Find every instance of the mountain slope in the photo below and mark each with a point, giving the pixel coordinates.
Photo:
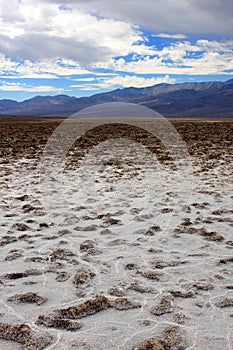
(204, 99)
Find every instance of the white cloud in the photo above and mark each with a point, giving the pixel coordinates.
(171, 36)
(219, 46)
(30, 76)
(85, 79)
(44, 31)
(41, 69)
(124, 81)
(85, 87)
(202, 58)
(51, 39)
(6, 86)
(134, 81)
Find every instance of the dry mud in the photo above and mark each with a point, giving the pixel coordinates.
(118, 254)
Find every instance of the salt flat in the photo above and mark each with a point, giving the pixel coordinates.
(121, 242)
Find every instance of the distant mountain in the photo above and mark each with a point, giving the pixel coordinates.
(204, 99)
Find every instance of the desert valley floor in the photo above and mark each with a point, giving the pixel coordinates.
(116, 253)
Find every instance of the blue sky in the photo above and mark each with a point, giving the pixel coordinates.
(83, 47)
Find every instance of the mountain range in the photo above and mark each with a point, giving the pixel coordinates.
(191, 99)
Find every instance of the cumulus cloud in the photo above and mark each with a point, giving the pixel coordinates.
(185, 16)
(40, 29)
(10, 11)
(202, 58)
(44, 31)
(52, 39)
(40, 46)
(42, 69)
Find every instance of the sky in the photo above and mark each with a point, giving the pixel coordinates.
(84, 47)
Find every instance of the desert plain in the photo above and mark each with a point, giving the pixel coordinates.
(122, 250)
